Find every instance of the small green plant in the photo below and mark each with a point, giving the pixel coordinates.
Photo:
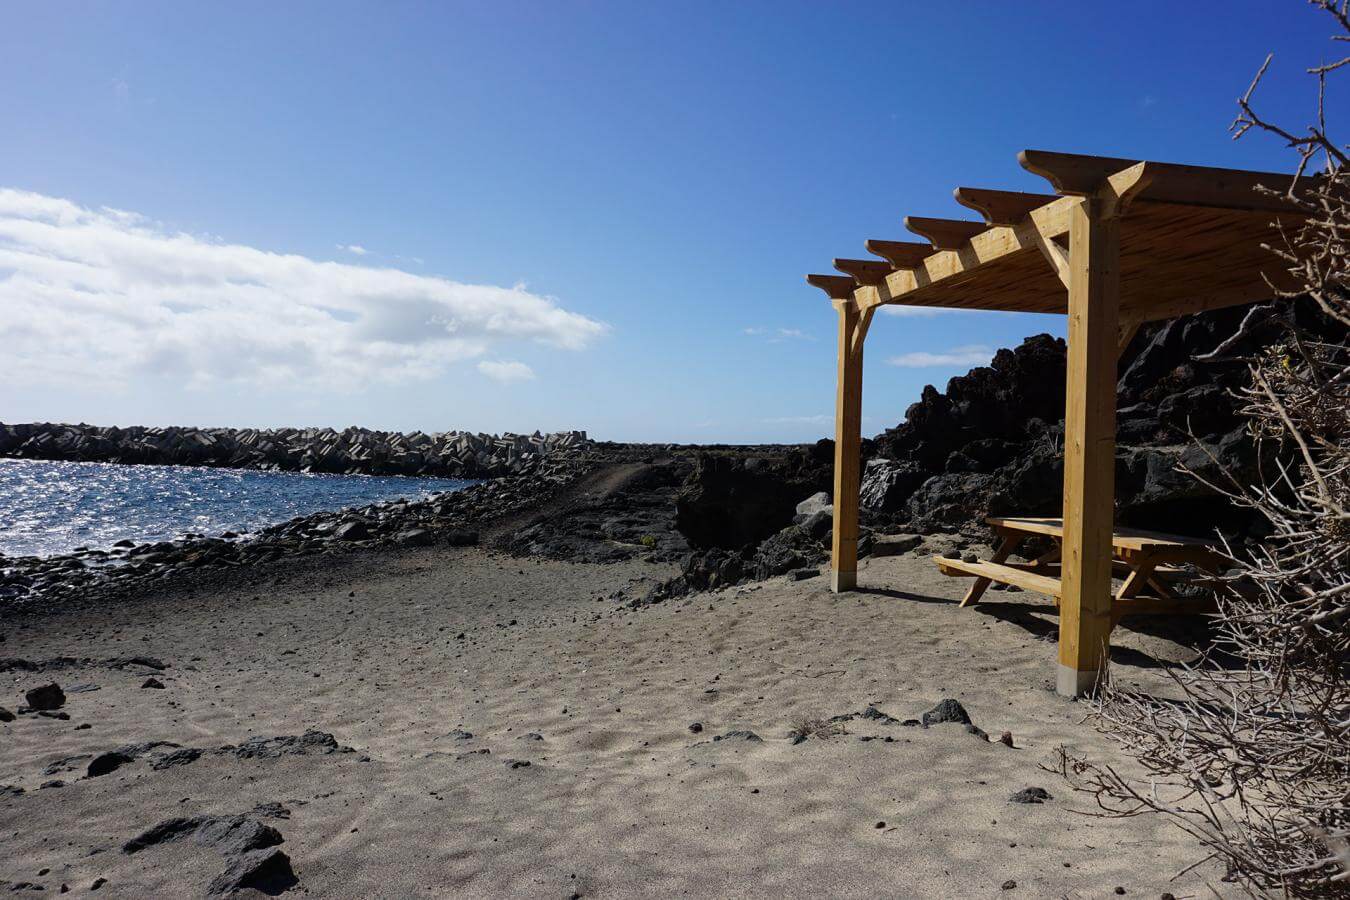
(648, 541)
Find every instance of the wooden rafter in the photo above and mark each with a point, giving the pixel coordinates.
(864, 271)
(989, 246)
(1078, 175)
(837, 287)
(900, 254)
(945, 234)
(1001, 207)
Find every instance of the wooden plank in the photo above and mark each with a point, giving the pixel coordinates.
(1080, 175)
(1031, 581)
(838, 287)
(847, 450)
(1089, 448)
(945, 234)
(864, 271)
(1001, 207)
(900, 254)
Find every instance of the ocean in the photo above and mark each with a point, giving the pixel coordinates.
(49, 508)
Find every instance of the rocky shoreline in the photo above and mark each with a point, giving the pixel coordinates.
(29, 583)
(989, 445)
(352, 451)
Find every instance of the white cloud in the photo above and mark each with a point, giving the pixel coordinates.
(968, 355)
(93, 297)
(778, 335)
(506, 371)
(357, 249)
(894, 309)
(821, 419)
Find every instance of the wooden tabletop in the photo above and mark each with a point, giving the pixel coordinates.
(1121, 538)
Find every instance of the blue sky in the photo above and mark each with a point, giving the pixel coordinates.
(609, 207)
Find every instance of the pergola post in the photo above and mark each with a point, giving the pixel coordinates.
(847, 447)
(1089, 444)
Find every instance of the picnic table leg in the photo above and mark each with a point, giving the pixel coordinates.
(1141, 572)
(1052, 555)
(1006, 545)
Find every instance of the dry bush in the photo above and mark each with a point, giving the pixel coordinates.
(814, 727)
(1252, 755)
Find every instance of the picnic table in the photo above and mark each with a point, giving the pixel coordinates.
(1148, 564)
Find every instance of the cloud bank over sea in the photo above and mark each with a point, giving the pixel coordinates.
(101, 296)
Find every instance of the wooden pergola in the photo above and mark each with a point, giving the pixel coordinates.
(1120, 242)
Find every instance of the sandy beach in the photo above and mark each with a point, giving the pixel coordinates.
(515, 732)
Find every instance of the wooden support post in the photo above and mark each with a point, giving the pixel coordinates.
(1089, 445)
(847, 448)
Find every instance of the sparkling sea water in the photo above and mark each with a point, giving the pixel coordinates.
(48, 508)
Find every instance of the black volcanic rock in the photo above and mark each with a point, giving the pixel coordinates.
(992, 443)
(733, 503)
(45, 697)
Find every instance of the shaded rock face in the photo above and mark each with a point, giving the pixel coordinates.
(992, 444)
(731, 503)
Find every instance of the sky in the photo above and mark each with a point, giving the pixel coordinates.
(518, 216)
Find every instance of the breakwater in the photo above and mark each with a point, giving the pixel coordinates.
(351, 451)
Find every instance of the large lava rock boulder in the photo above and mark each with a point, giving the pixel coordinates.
(795, 547)
(888, 483)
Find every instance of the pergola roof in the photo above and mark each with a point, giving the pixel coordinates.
(1192, 240)
(1119, 243)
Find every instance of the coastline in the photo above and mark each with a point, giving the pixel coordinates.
(351, 451)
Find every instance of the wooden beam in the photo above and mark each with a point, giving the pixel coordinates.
(901, 254)
(1001, 207)
(945, 234)
(864, 271)
(1051, 221)
(1078, 175)
(1089, 447)
(838, 287)
(847, 450)
(1152, 311)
